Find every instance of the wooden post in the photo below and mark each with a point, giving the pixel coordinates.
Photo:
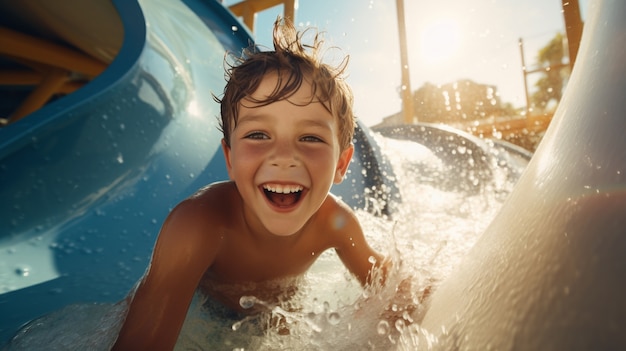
(289, 10)
(247, 9)
(408, 111)
(573, 28)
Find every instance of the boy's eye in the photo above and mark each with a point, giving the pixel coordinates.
(311, 138)
(256, 136)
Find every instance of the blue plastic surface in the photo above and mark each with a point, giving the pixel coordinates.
(87, 180)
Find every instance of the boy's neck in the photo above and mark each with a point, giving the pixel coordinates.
(262, 235)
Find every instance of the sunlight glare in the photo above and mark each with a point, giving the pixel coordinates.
(439, 40)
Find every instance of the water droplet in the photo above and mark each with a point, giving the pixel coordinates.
(23, 271)
(247, 301)
(334, 318)
(400, 325)
(382, 328)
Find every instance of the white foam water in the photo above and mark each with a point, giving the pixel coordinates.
(428, 233)
(91, 327)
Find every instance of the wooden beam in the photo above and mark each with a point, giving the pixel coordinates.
(573, 27)
(248, 9)
(40, 96)
(20, 45)
(408, 112)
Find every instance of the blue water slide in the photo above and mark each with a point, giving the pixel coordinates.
(87, 180)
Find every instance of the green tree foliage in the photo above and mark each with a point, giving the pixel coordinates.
(554, 76)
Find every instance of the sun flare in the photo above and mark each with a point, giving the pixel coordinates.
(439, 41)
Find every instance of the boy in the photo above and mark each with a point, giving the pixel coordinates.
(287, 123)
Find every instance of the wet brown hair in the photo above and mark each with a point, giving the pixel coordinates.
(293, 62)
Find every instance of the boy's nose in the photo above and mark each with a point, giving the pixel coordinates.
(284, 155)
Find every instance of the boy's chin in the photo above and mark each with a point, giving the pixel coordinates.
(280, 228)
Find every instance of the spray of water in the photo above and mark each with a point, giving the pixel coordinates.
(429, 231)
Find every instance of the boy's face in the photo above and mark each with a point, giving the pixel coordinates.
(284, 157)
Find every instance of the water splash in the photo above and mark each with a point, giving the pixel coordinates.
(425, 238)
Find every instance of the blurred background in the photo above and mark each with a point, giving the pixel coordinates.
(466, 59)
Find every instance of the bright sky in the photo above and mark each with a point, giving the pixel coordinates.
(447, 40)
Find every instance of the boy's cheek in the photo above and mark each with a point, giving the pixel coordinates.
(248, 152)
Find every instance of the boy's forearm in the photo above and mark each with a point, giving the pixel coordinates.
(146, 326)
(146, 335)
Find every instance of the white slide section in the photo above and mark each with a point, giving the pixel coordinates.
(550, 271)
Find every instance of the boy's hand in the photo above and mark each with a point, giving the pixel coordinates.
(407, 304)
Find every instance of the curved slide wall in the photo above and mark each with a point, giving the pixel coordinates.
(550, 271)
(87, 181)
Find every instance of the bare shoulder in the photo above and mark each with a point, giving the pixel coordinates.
(198, 219)
(337, 206)
(337, 216)
(211, 202)
(335, 201)
(215, 191)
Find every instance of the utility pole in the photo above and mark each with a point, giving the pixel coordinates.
(525, 72)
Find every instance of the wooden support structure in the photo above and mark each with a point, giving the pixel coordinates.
(573, 28)
(51, 67)
(248, 9)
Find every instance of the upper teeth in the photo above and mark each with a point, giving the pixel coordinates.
(282, 189)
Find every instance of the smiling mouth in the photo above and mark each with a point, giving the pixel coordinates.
(283, 196)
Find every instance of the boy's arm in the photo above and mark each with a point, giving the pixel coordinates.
(183, 252)
(354, 251)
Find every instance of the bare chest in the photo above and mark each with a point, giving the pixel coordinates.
(265, 271)
(254, 297)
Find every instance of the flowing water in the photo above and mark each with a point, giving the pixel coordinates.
(427, 234)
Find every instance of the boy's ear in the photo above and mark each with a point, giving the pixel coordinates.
(226, 150)
(342, 164)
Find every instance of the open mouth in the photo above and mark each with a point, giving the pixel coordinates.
(281, 195)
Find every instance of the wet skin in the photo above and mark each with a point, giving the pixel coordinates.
(268, 224)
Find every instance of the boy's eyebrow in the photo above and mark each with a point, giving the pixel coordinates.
(259, 117)
(317, 123)
(250, 117)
